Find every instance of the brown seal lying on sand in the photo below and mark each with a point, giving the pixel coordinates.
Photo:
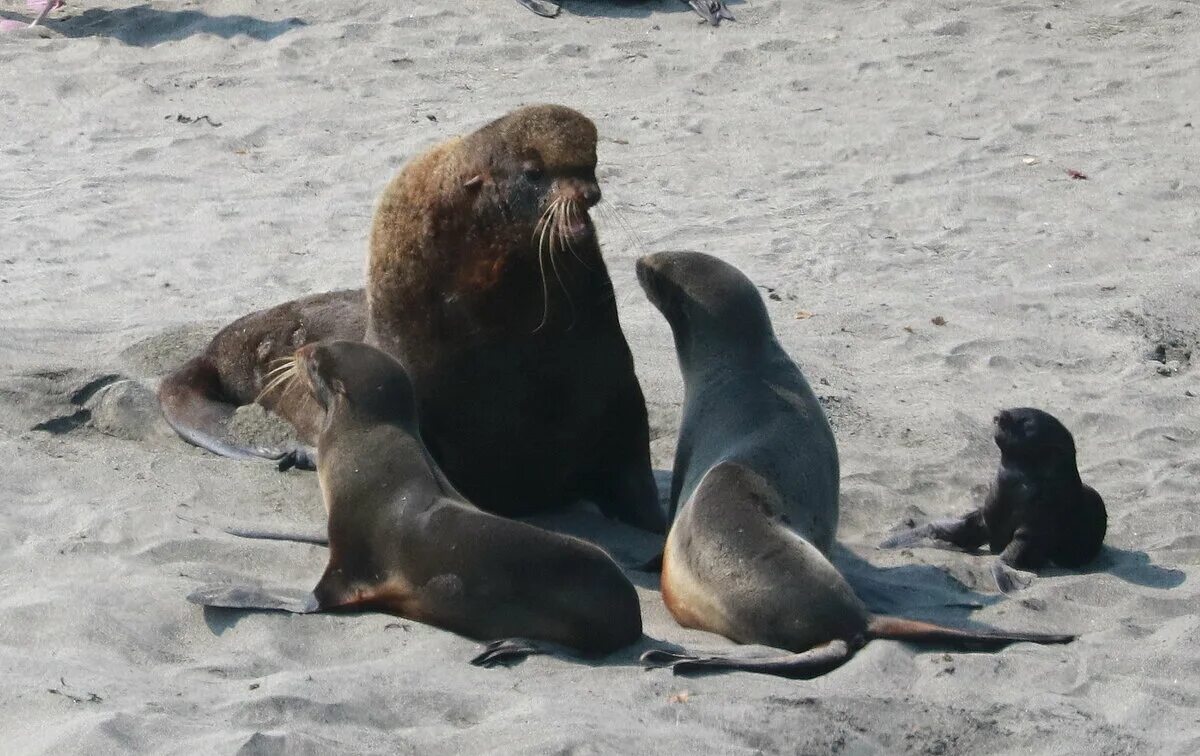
(1038, 509)
(486, 281)
(402, 540)
(754, 498)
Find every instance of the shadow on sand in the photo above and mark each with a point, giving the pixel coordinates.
(1130, 566)
(144, 26)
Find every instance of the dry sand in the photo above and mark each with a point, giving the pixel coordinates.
(165, 167)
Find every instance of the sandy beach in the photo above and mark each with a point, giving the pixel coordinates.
(951, 208)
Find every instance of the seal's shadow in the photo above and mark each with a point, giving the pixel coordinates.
(1132, 567)
(145, 26)
(918, 591)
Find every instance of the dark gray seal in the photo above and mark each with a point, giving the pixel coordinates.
(754, 499)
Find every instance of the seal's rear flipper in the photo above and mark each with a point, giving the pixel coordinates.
(915, 631)
(540, 7)
(803, 666)
(255, 597)
(196, 406)
(507, 651)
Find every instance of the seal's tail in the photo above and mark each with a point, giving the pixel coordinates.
(195, 405)
(915, 631)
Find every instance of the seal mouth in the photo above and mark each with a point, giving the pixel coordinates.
(577, 226)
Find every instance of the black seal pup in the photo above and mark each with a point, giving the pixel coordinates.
(1037, 511)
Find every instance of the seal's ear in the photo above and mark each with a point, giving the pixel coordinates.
(474, 182)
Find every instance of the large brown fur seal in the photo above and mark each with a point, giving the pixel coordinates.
(485, 280)
(1038, 510)
(402, 540)
(755, 491)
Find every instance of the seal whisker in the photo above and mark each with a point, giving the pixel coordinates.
(278, 380)
(610, 213)
(541, 248)
(572, 210)
(558, 227)
(277, 371)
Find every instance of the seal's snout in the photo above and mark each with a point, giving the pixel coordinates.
(647, 273)
(590, 194)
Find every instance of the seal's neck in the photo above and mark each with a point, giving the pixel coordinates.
(707, 352)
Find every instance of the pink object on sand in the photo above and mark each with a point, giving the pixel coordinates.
(7, 24)
(43, 8)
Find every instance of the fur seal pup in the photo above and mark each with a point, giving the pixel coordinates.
(485, 279)
(754, 496)
(402, 540)
(1038, 510)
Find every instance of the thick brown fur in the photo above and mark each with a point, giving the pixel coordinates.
(755, 491)
(485, 279)
(404, 541)
(505, 318)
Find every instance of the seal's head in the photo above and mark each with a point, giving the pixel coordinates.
(539, 164)
(352, 375)
(1031, 435)
(705, 299)
(486, 222)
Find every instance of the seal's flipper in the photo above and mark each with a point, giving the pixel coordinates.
(967, 533)
(255, 597)
(299, 457)
(712, 11)
(540, 7)
(1010, 580)
(195, 406)
(802, 666)
(507, 651)
(915, 631)
(317, 539)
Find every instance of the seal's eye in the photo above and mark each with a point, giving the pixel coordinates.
(532, 171)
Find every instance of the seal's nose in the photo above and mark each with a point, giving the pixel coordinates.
(590, 194)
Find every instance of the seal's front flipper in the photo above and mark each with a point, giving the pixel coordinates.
(540, 7)
(507, 651)
(967, 533)
(802, 666)
(1010, 580)
(255, 597)
(299, 457)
